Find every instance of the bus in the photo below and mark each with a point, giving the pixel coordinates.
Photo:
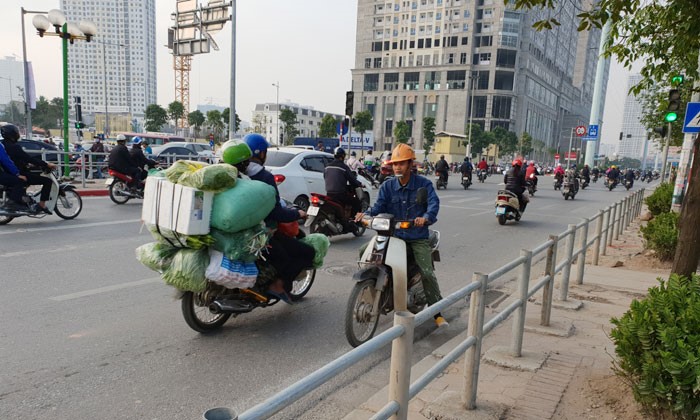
(155, 139)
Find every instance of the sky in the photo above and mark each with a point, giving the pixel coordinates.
(308, 46)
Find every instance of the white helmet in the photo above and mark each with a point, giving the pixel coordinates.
(121, 137)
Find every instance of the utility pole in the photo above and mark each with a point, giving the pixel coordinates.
(598, 98)
(571, 139)
(232, 105)
(471, 113)
(665, 156)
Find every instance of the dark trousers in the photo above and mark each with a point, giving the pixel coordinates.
(15, 187)
(45, 183)
(347, 200)
(289, 256)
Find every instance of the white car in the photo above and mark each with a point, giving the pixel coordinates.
(299, 172)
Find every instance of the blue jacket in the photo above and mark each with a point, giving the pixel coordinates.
(401, 202)
(278, 214)
(7, 164)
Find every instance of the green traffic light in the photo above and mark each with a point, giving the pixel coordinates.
(677, 80)
(671, 117)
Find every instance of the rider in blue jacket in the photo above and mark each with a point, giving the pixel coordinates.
(11, 178)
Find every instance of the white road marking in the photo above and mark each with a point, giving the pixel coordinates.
(38, 251)
(464, 200)
(106, 289)
(83, 225)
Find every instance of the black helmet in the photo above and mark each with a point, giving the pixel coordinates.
(9, 132)
(339, 152)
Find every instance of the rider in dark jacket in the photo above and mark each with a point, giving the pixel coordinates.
(466, 169)
(139, 159)
(338, 177)
(515, 182)
(120, 161)
(442, 168)
(11, 178)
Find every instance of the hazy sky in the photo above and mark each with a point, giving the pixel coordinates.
(306, 45)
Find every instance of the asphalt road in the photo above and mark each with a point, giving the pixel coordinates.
(87, 332)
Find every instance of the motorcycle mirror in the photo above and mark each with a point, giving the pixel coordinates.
(421, 196)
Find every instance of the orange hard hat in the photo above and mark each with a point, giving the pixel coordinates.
(402, 152)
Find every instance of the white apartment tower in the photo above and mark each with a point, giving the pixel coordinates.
(433, 58)
(634, 134)
(116, 72)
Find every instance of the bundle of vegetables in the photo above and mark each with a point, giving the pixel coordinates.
(245, 245)
(320, 243)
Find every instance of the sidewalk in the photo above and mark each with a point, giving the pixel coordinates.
(565, 371)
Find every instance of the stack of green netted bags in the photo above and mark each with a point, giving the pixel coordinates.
(237, 236)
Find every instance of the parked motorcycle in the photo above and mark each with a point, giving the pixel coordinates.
(507, 207)
(332, 218)
(388, 279)
(63, 200)
(466, 181)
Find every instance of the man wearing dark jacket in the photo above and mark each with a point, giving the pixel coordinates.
(120, 161)
(11, 178)
(338, 177)
(515, 182)
(23, 161)
(442, 168)
(139, 159)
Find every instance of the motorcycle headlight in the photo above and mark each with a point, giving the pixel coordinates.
(381, 224)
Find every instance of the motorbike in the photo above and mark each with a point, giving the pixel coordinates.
(332, 218)
(610, 184)
(64, 200)
(569, 188)
(558, 181)
(595, 178)
(584, 183)
(466, 181)
(628, 184)
(482, 174)
(440, 181)
(368, 176)
(531, 187)
(507, 207)
(388, 278)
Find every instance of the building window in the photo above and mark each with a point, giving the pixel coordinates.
(391, 81)
(432, 80)
(456, 79)
(483, 41)
(410, 80)
(450, 58)
(479, 107)
(465, 40)
(504, 80)
(463, 58)
(370, 108)
(481, 79)
(388, 127)
(409, 111)
(503, 124)
(506, 58)
(389, 110)
(377, 62)
(482, 59)
(501, 107)
(430, 110)
(371, 82)
(508, 41)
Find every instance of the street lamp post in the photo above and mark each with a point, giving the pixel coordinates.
(471, 113)
(277, 85)
(68, 32)
(12, 108)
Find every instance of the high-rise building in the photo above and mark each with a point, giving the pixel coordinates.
(116, 72)
(434, 58)
(634, 134)
(265, 120)
(11, 81)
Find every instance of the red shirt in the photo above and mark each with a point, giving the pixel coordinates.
(530, 170)
(483, 165)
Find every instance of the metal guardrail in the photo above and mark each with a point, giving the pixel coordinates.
(609, 222)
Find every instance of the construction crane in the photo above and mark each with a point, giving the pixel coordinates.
(192, 34)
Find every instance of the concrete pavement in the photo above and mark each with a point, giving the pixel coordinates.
(532, 386)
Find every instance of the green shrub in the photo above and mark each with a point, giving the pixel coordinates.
(660, 200)
(661, 235)
(657, 342)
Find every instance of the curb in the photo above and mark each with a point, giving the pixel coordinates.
(93, 193)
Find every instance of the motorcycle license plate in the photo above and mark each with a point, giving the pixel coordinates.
(465, 178)
(500, 210)
(312, 211)
(109, 181)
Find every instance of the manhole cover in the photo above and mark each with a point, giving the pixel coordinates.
(341, 270)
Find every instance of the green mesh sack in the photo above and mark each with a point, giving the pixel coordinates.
(181, 167)
(243, 206)
(245, 245)
(214, 178)
(156, 255)
(187, 270)
(320, 243)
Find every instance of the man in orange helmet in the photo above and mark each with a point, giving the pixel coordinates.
(397, 196)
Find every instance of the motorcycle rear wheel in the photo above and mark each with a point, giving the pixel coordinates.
(302, 286)
(118, 186)
(501, 219)
(5, 220)
(360, 325)
(198, 316)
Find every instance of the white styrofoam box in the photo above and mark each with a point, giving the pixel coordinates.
(184, 210)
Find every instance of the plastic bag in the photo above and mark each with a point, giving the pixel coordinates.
(231, 274)
(187, 270)
(178, 240)
(245, 245)
(155, 255)
(320, 244)
(215, 178)
(156, 173)
(179, 168)
(242, 207)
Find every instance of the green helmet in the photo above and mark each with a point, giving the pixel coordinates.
(234, 152)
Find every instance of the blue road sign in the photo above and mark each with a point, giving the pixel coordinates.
(337, 128)
(593, 132)
(692, 118)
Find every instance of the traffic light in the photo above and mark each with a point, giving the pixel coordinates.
(677, 79)
(349, 101)
(674, 104)
(346, 122)
(79, 125)
(661, 131)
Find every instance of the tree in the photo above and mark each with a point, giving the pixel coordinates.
(428, 134)
(156, 117)
(226, 116)
(176, 111)
(402, 132)
(48, 113)
(196, 119)
(525, 145)
(13, 113)
(215, 123)
(289, 120)
(480, 139)
(328, 126)
(363, 123)
(507, 141)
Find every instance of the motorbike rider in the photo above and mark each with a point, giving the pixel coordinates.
(139, 158)
(442, 168)
(338, 177)
(353, 162)
(288, 255)
(12, 179)
(516, 183)
(559, 173)
(397, 196)
(466, 169)
(99, 148)
(483, 166)
(614, 174)
(586, 174)
(629, 177)
(596, 172)
(120, 160)
(531, 173)
(23, 161)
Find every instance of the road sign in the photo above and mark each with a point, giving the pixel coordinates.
(593, 131)
(692, 118)
(556, 157)
(337, 128)
(570, 156)
(580, 131)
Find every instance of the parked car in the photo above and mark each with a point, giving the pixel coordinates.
(299, 172)
(171, 152)
(202, 149)
(36, 148)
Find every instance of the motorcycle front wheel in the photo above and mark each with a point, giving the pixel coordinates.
(198, 316)
(360, 325)
(5, 220)
(69, 205)
(302, 285)
(116, 192)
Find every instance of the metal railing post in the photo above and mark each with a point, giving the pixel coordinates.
(641, 201)
(623, 225)
(611, 224)
(628, 213)
(83, 164)
(566, 273)
(401, 360)
(581, 259)
(547, 290)
(598, 235)
(606, 230)
(476, 330)
(516, 348)
(618, 219)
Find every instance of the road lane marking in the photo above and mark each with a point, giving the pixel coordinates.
(106, 289)
(38, 251)
(84, 225)
(464, 200)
